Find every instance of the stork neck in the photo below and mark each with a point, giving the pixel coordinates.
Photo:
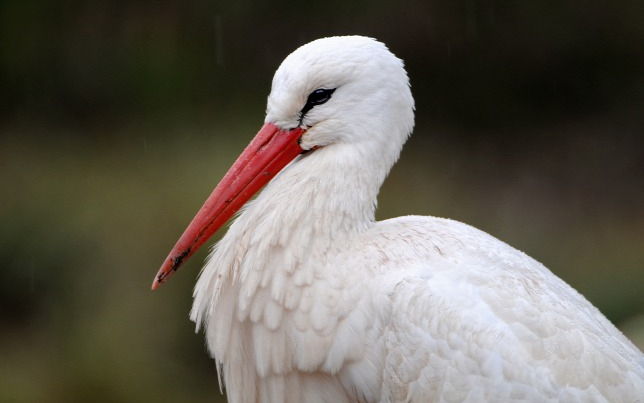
(332, 192)
(312, 207)
(308, 211)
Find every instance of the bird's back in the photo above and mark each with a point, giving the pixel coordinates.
(473, 319)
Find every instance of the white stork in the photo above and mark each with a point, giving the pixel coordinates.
(308, 299)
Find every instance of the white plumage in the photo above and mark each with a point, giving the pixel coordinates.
(308, 299)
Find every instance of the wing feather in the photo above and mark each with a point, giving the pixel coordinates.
(473, 318)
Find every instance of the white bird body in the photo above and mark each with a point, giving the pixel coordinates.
(308, 299)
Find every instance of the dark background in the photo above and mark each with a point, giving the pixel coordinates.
(118, 118)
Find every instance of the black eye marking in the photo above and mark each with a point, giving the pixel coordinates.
(317, 97)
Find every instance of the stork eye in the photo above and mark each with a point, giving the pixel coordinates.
(317, 97)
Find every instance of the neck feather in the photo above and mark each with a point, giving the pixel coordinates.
(309, 210)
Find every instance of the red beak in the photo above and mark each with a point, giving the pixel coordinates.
(270, 151)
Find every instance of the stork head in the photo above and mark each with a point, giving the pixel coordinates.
(347, 90)
(343, 89)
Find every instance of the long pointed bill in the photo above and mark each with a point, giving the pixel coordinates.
(270, 151)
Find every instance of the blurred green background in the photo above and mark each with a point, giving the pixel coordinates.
(118, 118)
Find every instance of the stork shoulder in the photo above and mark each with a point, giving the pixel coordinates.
(470, 313)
